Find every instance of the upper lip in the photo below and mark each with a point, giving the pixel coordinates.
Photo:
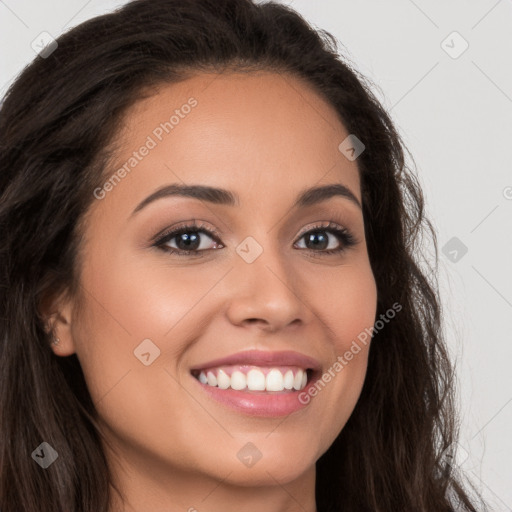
(263, 358)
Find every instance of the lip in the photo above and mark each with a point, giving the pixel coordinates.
(263, 358)
(261, 403)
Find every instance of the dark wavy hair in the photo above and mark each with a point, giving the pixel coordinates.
(57, 126)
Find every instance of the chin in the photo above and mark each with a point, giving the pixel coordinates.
(265, 462)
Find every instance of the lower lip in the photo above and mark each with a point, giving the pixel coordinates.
(258, 403)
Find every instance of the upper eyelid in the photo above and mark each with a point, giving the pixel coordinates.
(342, 217)
(198, 226)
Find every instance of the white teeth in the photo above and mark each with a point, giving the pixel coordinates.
(212, 380)
(274, 381)
(297, 381)
(223, 380)
(288, 380)
(255, 380)
(238, 380)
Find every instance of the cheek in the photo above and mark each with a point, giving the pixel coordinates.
(125, 305)
(345, 299)
(357, 306)
(129, 301)
(346, 307)
(356, 298)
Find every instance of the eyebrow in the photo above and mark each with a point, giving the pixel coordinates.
(221, 196)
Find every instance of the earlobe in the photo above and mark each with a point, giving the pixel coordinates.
(58, 322)
(60, 335)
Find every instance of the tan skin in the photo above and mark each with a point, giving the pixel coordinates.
(266, 137)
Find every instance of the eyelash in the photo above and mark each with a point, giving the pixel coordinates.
(343, 235)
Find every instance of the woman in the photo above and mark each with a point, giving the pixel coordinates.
(210, 293)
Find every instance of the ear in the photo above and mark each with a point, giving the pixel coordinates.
(57, 315)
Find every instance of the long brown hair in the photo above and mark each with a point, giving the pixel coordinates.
(56, 123)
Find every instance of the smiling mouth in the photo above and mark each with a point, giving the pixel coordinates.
(251, 378)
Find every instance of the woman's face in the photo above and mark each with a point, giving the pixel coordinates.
(257, 285)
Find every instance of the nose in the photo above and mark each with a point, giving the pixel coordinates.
(266, 293)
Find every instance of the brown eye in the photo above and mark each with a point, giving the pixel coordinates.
(329, 239)
(188, 240)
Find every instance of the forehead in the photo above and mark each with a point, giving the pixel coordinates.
(246, 132)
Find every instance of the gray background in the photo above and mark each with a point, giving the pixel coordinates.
(455, 115)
